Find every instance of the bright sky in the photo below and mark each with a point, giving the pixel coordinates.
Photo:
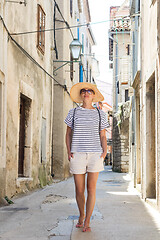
(100, 12)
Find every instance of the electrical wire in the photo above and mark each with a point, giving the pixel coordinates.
(46, 30)
(20, 2)
(60, 28)
(29, 56)
(104, 82)
(70, 27)
(104, 91)
(32, 59)
(54, 35)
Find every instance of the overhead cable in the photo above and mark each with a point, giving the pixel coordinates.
(29, 56)
(104, 82)
(60, 28)
(68, 27)
(75, 26)
(54, 22)
(104, 91)
(20, 2)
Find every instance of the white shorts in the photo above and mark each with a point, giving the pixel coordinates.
(86, 162)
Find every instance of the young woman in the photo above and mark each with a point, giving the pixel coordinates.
(86, 146)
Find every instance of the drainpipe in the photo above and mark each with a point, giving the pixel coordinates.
(134, 98)
(52, 122)
(116, 79)
(116, 72)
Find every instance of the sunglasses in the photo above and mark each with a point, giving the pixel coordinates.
(89, 91)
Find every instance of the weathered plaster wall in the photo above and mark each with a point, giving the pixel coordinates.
(148, 68)
(3, 100)
(26, 78)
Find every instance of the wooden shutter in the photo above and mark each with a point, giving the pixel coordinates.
(41, 27)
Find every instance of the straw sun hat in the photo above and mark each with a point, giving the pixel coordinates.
(75, 92)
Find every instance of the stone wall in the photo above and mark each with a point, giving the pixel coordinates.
(121, 139)
(25, 86)
(116, 146)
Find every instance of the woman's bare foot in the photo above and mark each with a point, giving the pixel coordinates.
(80, 221)
(86, 227)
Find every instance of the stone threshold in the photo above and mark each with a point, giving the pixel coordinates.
(23, 179)
(152, 202)
(138, 187)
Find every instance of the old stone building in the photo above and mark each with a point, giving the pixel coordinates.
(36, 74)
(135, 145)
(26, 95)
(3, 102)
(119, 56)
(149, 99)
(76, 13)
(146, 170)
(119, 53)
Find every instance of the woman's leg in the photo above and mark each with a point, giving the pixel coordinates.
(91, 197)
(80, 197)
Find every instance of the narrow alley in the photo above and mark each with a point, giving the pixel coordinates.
(51, 213)
(79, 78)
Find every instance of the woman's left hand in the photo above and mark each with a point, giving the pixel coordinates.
(103, 143)
(103, 155)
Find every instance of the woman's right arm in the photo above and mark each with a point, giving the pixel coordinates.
(68, 142)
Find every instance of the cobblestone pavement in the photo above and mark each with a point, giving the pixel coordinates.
(51, 213)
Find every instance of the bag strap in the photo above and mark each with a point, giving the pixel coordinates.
(73, 117)
(99, 119)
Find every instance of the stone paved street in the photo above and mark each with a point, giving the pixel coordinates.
(51, 213)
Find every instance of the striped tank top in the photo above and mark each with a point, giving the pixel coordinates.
(86, 136)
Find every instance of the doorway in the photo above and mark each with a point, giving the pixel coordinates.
(150, 139)
(24, 137)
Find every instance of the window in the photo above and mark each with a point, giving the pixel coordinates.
(128, 49)
(87, 73)
(90, 74)
(111, 65)
(111, 49)
(126, 95)
(71, 68)
(118, 87)
(43, 140)
(71, 7)
(41, 28)
(78, 29)
(82, 43)
(90, 48)
(139, 4)
(86, 42)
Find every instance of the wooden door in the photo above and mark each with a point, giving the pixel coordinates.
(21, 138)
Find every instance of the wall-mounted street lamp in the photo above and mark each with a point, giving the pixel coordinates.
(75, 48)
